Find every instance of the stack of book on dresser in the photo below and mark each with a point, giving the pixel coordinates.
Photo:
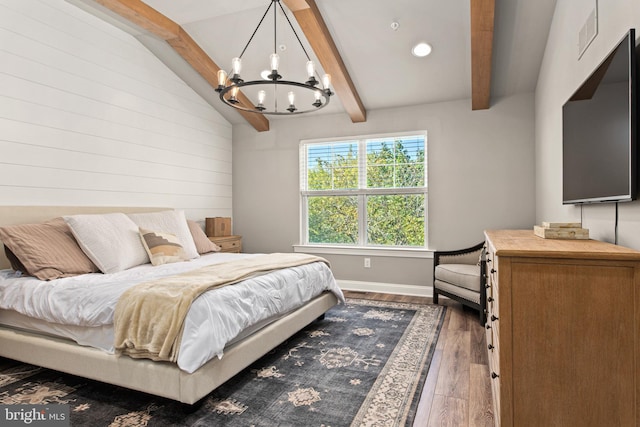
(561, 230)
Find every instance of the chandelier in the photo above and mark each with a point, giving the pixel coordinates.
(311, 95)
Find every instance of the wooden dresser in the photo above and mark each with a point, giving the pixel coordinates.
(228, 243)
(563, 331)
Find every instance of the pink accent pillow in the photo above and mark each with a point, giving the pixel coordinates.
(47, 250)
(203, 244)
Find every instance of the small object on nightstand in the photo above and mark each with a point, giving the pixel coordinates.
(218, 226)
(228, 243)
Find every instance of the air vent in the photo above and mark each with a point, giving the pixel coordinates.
(588, 32)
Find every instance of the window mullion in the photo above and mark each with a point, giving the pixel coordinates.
(362, 220)
(362, 199)
(304, 214)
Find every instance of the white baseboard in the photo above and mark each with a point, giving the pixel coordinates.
(386, 288)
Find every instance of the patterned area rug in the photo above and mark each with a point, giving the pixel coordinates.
(365, 363)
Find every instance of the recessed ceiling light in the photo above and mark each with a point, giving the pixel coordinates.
(421, 49)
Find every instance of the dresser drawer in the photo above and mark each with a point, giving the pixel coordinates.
(228, 243)
(494, 367)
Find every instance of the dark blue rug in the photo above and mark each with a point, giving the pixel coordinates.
(364, 364)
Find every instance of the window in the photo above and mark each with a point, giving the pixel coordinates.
(365, 191)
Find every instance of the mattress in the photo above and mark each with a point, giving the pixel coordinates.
(81, 307)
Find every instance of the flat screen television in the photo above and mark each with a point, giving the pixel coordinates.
(599, 131)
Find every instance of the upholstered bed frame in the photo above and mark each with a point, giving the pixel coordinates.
(158, 378)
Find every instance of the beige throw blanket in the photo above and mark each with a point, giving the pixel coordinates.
(149, 317)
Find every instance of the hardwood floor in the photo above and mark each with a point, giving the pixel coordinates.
(458, 390)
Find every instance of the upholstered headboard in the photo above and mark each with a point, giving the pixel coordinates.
(10, 215)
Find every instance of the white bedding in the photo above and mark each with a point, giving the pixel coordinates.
(215, 318)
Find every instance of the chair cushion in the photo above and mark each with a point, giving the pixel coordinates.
(464, 275)
(458, 291)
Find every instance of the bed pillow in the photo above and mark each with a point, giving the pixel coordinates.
(16, 265)
(173, 222)
(162, 248)
(47, 250)
(202, 242)
(110, 240)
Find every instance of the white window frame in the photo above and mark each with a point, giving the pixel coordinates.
(361, 248)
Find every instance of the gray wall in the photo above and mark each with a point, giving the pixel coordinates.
(481, 176)
(561, 74)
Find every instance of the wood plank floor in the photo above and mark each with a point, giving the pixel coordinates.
(458, 390)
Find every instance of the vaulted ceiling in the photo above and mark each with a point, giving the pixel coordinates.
(482, 49)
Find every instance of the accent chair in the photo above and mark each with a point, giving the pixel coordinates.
(460, 275)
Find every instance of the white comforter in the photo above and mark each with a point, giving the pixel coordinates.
(215, 318)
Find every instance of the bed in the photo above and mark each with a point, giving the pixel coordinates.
(50, 348)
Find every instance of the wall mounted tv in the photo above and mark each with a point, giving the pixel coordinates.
(599, 139)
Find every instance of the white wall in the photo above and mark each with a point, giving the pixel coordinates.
(481, 176)
(561, 74)
(88, 116)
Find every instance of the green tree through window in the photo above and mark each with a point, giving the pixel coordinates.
(365, 192)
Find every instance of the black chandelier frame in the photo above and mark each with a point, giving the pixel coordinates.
(322, 94)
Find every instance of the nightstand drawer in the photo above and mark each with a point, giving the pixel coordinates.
(228, 243)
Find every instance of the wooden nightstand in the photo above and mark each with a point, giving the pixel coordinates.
(228, 243)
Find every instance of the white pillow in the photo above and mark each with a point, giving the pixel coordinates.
(173, 222)
(111, 241)
(162, 248)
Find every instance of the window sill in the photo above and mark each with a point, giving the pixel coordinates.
(358, 250)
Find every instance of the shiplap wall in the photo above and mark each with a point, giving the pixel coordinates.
(88, 116)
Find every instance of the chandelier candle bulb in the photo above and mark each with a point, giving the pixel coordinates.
(234, 95)
(326, 81)
(274, 60)
(292, 102)
(311, 71)
(222, 79)
(261, 97)
(318, 101)
(236, 67)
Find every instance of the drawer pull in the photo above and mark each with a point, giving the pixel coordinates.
(494, 375)
(493, 270)
(490, 299)
(493, 318)
(490, 347)
(488, 326)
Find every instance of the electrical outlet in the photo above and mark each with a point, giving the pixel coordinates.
(367, 263)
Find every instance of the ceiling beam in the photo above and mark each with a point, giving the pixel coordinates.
(482, 17)
(310, 20)
(144, 16)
